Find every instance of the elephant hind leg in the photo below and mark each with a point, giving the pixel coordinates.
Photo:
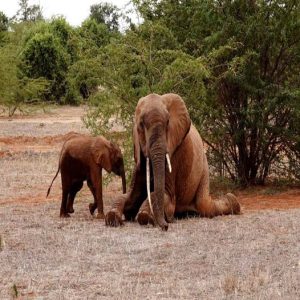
(63, 208)
(207, 207)
(75, 188)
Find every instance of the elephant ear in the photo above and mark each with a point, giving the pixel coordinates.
(102, 157)
(137, 147)
(136, 141)
(179, 122)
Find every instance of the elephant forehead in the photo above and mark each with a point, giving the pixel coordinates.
(155, 115)
(151, 106)
(150, 100)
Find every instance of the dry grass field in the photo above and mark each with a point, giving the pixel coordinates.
(255, 255)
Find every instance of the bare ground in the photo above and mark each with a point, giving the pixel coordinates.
(255, 255)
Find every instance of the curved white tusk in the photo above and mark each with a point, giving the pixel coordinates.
(148, 185)
(169, 162)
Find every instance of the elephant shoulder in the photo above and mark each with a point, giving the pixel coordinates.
(196, 138)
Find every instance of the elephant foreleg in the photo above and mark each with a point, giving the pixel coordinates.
(96, 180)
(129, 203)
(92, 206)
(114, 216)
(145, 217)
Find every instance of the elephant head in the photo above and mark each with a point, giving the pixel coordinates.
(161, 124)
(111, 159)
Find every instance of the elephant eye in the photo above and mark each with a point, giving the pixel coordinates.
(142, 125)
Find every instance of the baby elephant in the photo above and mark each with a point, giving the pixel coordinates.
(82, 158)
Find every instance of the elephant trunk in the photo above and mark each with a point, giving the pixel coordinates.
(157, 154)
(123, 181)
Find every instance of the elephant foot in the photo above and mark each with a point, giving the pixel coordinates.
(70, 210)
(113, 219)
(64, 215)
(170, 219)
(92, 208)
(144, 218)
(234, 204)
(100, 216)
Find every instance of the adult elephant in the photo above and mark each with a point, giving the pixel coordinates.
(177, 180)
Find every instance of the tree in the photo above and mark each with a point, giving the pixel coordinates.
(49, 48)
(43, 56)
(15, 91)
(3, 28)
(3, 22)
(106, 13)
(28, 12)
(246, 53)
(254, 58)
(84, 78)
(93, 36)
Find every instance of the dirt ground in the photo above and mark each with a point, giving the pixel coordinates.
(255, 255)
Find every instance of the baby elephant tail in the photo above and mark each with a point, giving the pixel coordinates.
(72, 135)
(48, 192)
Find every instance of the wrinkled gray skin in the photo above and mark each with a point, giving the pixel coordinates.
(82, 158)
(162, 125)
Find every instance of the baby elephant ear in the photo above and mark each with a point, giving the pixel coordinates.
(103, 159)
(179, 122)
(106, 160)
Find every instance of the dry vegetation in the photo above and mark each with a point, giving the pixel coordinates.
(252, 256)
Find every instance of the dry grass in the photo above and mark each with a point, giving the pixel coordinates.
(248, 256)
(251, 256)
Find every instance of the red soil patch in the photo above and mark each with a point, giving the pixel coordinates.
(252, 202)
(14, 145)
(32, 200)
(284, 200)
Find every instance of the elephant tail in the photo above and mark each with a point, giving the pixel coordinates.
(70, 136)
(48, 192)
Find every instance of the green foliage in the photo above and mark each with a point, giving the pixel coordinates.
(48, 51)
(106, 13)
(93, 36)
(43, 56)
(3, 28)
(83, 77)
(235, 63)
(3, 22)
(15, 91)
(254, 88)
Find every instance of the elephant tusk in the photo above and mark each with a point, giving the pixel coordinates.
(148, 185)
(169, 162)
